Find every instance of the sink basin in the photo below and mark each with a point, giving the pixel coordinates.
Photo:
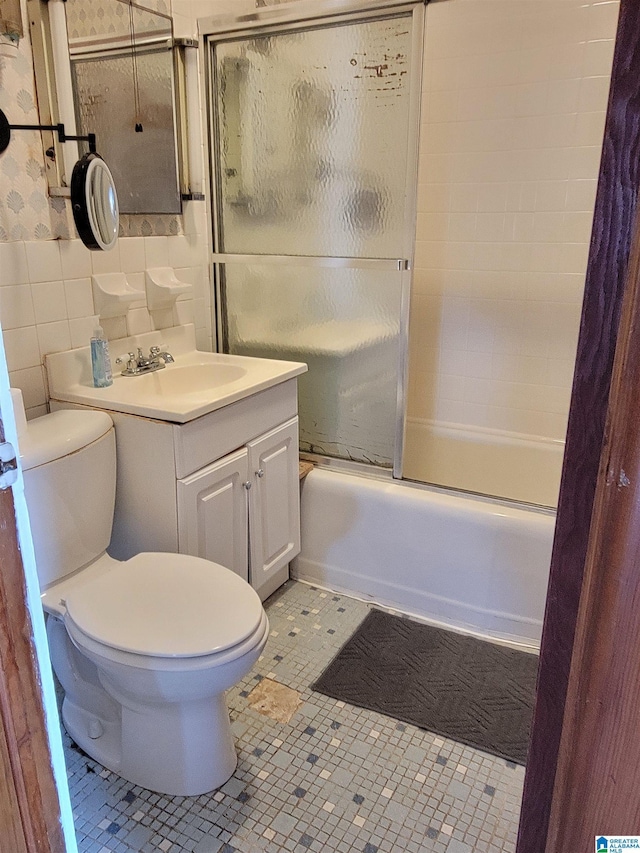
(194, 385)
(198, 379)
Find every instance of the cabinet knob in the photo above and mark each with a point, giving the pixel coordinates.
(260, 472)
(247, 485)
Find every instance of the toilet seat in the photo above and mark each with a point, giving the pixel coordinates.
(167, 665)
(165, 606)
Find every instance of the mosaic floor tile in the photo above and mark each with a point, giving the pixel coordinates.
(334, 778)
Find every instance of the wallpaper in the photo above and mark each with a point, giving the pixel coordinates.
(87, 18)
(26, 210)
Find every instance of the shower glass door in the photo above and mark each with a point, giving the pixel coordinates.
(313, 145)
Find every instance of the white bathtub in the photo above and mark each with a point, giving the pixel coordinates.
(510, 465)
(461, 561)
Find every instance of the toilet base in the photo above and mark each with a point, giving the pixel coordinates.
(166, 750)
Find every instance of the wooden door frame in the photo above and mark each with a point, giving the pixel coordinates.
(596, 788)
(611, 239)
(30, 819)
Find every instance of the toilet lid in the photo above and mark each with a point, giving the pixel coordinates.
(166, 605)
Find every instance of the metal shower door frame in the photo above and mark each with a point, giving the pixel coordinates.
(305, 15)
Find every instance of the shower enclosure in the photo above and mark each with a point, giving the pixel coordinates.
(314, 132)
(323, 223)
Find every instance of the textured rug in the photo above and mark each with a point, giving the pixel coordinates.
(471, 691)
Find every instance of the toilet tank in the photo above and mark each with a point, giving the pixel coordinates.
(68, 461)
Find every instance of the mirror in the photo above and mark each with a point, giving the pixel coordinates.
(94, 203)
(94, 200)
(122, 72)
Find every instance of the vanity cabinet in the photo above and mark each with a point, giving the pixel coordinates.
(224, 486)
(254, 490)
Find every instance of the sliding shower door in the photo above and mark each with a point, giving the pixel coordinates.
(313, 138)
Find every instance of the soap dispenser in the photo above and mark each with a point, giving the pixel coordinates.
(100, 360)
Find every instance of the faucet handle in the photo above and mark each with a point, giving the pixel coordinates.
(130, 356)
(154, 350)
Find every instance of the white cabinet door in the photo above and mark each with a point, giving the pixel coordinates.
(212, 513)
(274, 502)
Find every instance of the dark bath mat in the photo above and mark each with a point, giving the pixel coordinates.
(474, 692)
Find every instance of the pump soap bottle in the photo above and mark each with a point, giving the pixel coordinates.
(100, 361)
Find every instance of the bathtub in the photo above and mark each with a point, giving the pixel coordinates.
(469, 563)
(519, 467)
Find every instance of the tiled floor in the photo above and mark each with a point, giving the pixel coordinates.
(336, 778)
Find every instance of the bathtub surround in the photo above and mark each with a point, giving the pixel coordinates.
(514, 100)
(476, 459)
(335, 779)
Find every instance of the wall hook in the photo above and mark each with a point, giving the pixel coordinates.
(6, 128)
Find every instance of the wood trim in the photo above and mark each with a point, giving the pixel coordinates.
(596, 790)
(11, 830)
(609, 252)
(29, 806)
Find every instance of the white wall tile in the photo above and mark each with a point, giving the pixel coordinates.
(43, 260)
(138, 321)
(49, 301)
(36, 412)
(156, 251)
(53, 337)
(75, 259)
(81, 330)
(180, 251)
(79, 298)
(132, 257)
(13, 263)
(21, 347)
(184, 312)
(513, 114)
(102, 262)
(31, 382)
(16, 306)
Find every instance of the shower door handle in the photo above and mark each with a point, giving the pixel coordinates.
(395, 264)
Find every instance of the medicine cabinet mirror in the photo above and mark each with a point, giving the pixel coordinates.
(122, 73)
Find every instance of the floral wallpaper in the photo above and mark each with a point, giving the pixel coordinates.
(26, 210)
(87, 18)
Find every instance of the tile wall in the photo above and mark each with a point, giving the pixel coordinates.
(46, 302)
(513, 113)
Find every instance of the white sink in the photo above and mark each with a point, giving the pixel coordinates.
(194, 385)
(193, 379)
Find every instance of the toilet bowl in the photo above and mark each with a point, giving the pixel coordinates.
(144, 648)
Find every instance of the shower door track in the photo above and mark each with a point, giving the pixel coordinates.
(304, 14)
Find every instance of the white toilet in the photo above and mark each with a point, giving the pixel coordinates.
(144, 649)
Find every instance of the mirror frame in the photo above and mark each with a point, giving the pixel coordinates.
(94, 203)
(48, 100)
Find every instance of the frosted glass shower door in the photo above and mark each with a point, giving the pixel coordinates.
(311, 146)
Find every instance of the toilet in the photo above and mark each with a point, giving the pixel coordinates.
(144, 649)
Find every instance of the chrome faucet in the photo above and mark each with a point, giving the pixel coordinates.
(137, 364)
(156, 353)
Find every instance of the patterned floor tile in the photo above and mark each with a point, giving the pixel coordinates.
(334, 778)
